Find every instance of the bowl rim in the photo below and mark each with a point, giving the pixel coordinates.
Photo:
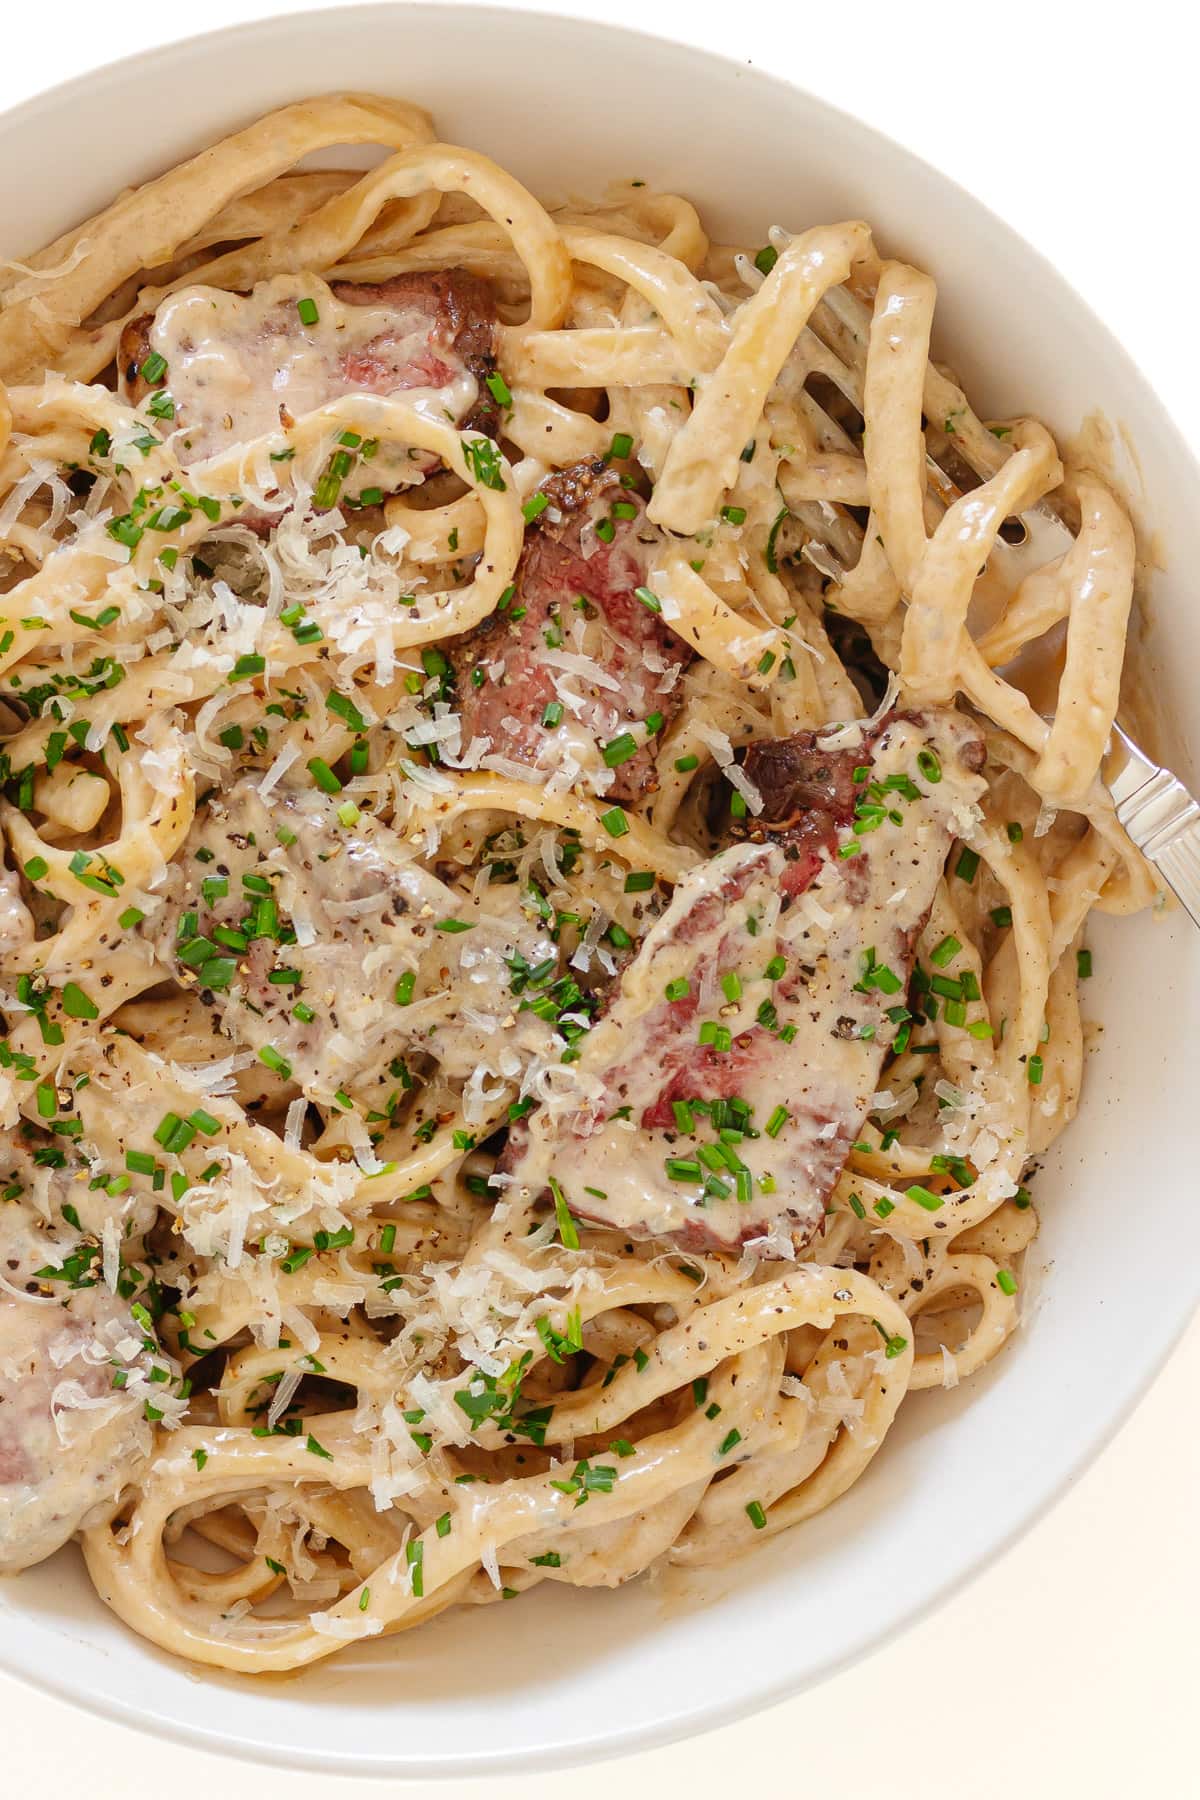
(710, 1715)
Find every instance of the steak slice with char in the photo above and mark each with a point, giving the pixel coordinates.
(461, 310)
(759, 1002)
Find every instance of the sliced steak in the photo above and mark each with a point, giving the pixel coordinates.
(235, 366)
(461, 310)
(722, 1089)
(576, 638)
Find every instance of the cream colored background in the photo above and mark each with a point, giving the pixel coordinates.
(1069, 1667)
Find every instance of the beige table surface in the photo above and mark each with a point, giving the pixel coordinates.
(1068, 1668)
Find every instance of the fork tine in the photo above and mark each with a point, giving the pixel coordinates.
(1160, 816)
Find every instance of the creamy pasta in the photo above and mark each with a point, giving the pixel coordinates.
(550, 806)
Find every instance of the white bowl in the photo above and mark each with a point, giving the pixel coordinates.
(560, 1676)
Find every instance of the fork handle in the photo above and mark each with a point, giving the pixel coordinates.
(1161, 817)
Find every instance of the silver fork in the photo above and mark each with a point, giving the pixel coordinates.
(1159, 815)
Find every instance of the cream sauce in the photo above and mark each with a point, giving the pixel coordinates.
(246, 366)
(16, 923)
(366, 919)
(70, 1442)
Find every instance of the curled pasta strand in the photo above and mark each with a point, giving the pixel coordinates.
(1101, 595)
(325, 236)
(935, 624)
(704, 457)
(639, 843)
(142, 228)
(892, 406)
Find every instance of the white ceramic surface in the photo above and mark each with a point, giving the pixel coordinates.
(558, 1676)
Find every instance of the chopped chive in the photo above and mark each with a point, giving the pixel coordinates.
(619, 749)
(682, 1168)
(324, 776)
(76, 1004)
(923, 1197)
(614, 822)
(218, 972)
(772, 541)
(967, 866)
(567, 1228)
(181, 1136)
(308, 311)
(756, 1515)
(345, 709)
(649, 599)
(1006, 1282)
(166, 1125)
(946, 951)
